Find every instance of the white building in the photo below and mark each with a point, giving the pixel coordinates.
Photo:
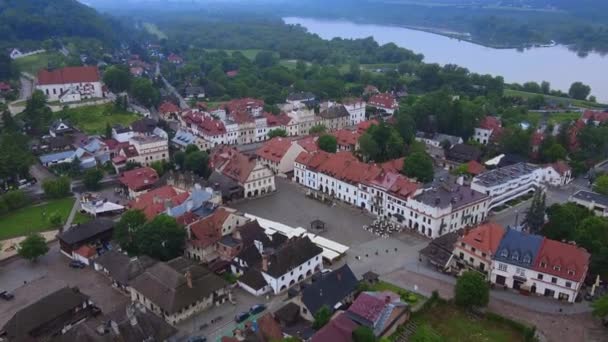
(302, 118)
(509, 182)
(279, 154)
(150, 149)
(70, 84)
(356, 109)
(476, 248)
(557, 174)
(593, 201)
(489, 128)
(255, 177)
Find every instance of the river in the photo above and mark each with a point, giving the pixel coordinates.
(557, 65)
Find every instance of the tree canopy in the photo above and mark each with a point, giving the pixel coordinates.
(117, 78)
(471, 290)
(322, 317)
(328, 143)
(579, 91)
(601, 184)
(278, 132)
(419, 166)
(33, 247)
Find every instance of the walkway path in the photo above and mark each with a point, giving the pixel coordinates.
(75, 207)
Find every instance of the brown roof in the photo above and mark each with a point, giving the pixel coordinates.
(270, 328)
(346, 137)
(485, 237)
(274, 149)
(156, 201)
(563, 260)
(68, 75)
(209, 230)
(309, 143)
(384, 100)
(561, 167)
(475, 168)
(139, 179)
(239, 167)
(168, 107)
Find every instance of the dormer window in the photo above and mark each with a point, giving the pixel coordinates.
(543, 264)
(556, 268)
(504, 253)
(571, 272)
(515, 256)
(526, 259)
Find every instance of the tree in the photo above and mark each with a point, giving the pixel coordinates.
(162, 238)
(144, 92)
(15, 156)
(108, 131)
(37, 115)
(322, 317)
(471, 290)
(198, 162)
(124, 232)
(8, 69)
(328, 143)
(178, 158)
(553, 153)
(91, 179)
(600, 307)
(117, 78)
(317, 129)
(601, 184)
(368, 147)
(57, 188)
(363, 334)
(278, 132)
(579, 91)
(419, 166)
(160, 166)
(563, 220)
(33, 247)
(535, 216)
(265, 59)
(545, 87)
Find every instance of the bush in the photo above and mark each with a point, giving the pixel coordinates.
(58, 188)
(527, 331)
(12, 200)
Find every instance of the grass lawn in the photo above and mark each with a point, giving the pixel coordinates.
(565, 100)
(153, 29)
(93, 119)
(31, 64)
(249, 53)
(80, 218)
(33, 218)
(410, 297)
(454, 324)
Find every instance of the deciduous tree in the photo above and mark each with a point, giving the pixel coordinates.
(579, 91)
(322, 317)
(601, 184)
(471, 290)
(33, 247)
(328, 143)
(162, 238)
(278, 132)
(126, 229)
(419, 165)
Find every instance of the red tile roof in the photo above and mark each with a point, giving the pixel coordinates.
(394, 183)
(346, 137)
(68, 75)
(384, 100)
(561, 167)
(339, 329)
(537, 138)
(485, 237)
(238, 167)
(309, 143)
(277, 120)
(168, 107)
(490, 123)
(173, 58)
(5, 86)
(243, 105)
(345, 167)
(394, 165)
(208, 231)
(205, 123)
(595, 115)
(155, 202)
(137, 70)
(274, 149)
(86, 251)
(563, 260)
(312, 160)
(270, 328)
(474, 168)
(365, 125)
(368, 307)
(139, 179)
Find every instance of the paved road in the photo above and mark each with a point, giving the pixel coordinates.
(182, 102)
(27, 87)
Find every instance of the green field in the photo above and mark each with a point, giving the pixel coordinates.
(454, 324)
(93, 119)
(564, 100)
(153, 29)
(31, 64)
(554, 118)
(80, 218)
(34, 218)
(249, 53)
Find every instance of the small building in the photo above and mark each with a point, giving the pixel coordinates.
(593, 201)
(60, 128)
(95, 234)
(339, 329)
(438, 139)
(175, 59)
(557, 174)
(51, 316)
(507, 183)
(475, 249)
(251, 174)
(489, 129)
(183, 139)
(169, 110)
(515, 254)
(463, 153)
(439, 252)
(384, 101)
(177, 289)
(279, 154)
(347, 140)
(121, 268)
(139, 181)
(51, 159)
(382, 312)
(80, 82)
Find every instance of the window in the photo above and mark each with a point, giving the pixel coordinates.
(570, 272)
(502, 267)
(543, 264)
(471, 259)
(473, 249)
(461, 256)
(483, 255)
(554, 280)
(515, 256)
(526, 259)
(504, 253)
(568, 284)
(556, 268)
(540, 276)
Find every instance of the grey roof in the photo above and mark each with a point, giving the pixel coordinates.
(292, 254)
(330, 289)
(464, 153)
(43, 311)
(445, 195)
(183, 138)
(440, 249)
(589, 196)
(122, 268)
(251, 255)
(56, 157)
(145, 125)
(147, 327)
(229, 241)
(440, 137)
(504, 174)
(85, 231)
(253, 279)
(337, 111)
(252, 231)
(165, 285)
(300, 96)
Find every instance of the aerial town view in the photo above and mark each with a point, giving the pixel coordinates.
(303, 170)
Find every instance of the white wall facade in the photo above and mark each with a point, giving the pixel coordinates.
(482, 135)
(260, 181)
(295, 275)
(506, 191)
(356, 111)
(87, 90)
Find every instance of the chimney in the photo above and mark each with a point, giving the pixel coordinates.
(387, 299)
(265, 262)
(188, 276)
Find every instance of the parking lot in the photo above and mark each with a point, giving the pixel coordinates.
(289, 205)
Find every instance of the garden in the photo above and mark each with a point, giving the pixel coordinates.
(35, 218)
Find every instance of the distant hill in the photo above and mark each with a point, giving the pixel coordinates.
(37, 20)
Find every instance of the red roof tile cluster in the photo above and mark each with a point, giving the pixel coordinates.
(394, 183)
(232, 73)
(173, 58)
(313, 160)
(347, 137)
(370, 89)
(485, 237)
(208, 231)
(205, 123)
(5, 86)
(243, 105)
(537, 138)
(168, 107)
(309, 143)
(232, 163)
(561, 167)
(594, 115)
(394, 165)
(339, 329)
(368, 307)
(68, 75)
(139, 179)
(384, 100)
(474, 168)
(156, 201)
(86, 251)
(573, 142)
(270, 328)
(277, 120)
(563, 260)
(274, 149)
(136, 71)
(491, 123)
(363, 126)
(345, 167)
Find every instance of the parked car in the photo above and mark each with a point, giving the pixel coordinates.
(257, 309)
(240, 317)
(77, 264)
(7, 295)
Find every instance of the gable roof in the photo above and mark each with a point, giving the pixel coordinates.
(85, 231)
(464, 153)
(518, 248)
(208, 231)
(48, 308)
(475, 168)
(561, 167)
(292, 254)
(165, 284)
(139, 179)
(274, 149)
(384, 100)
(157, 201)
(563, 260)
(122, 268)
(346, 137)
(330, 289)
(485, 237)
(253, 278)
(339, 329)
(333, 112)
(168, 107)
(78, 74)
(439, 251)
